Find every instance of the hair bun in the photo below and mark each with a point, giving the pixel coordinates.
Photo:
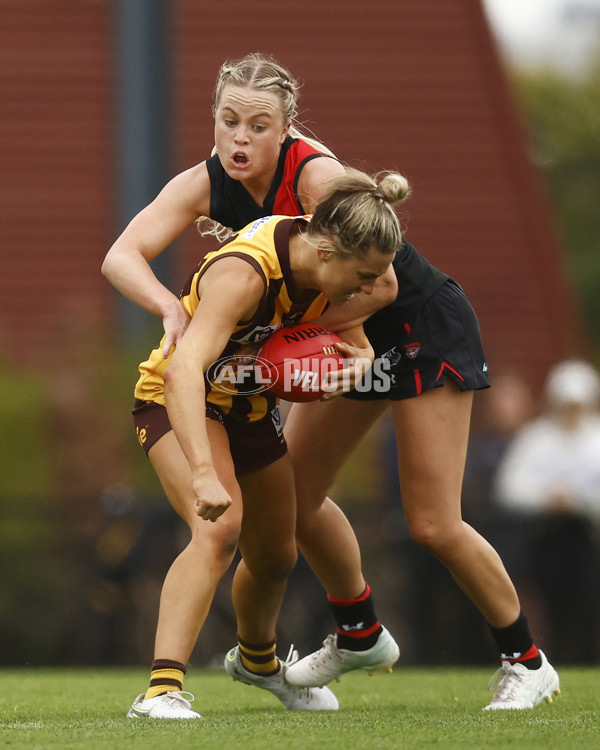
(393, 187)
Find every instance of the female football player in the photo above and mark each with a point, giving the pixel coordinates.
(221, 455)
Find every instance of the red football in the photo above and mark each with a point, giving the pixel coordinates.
(299, 358)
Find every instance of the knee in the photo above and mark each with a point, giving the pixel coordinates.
(220, 539)
(435, 536)
(275, 564)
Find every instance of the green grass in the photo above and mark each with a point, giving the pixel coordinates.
(413, 708)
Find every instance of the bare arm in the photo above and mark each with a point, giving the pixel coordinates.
(126, 265)
(230, 291)
(314, 178)
(353, 313)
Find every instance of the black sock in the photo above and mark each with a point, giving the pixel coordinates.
(358, 627)
(515, 644)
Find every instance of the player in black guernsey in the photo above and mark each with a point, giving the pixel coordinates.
(232, 205)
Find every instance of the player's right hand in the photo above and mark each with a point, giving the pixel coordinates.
(212, 500)
(175, 323)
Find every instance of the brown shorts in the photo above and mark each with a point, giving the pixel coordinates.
(253, 445)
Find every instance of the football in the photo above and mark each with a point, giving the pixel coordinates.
(298, 359)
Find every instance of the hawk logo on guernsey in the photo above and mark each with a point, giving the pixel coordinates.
(412, 350)
(256, 335)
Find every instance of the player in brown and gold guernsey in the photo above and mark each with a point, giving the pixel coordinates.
(222, 458)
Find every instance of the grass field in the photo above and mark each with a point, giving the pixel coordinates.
(413, 708)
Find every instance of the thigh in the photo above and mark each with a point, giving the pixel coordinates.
(432, 432)
(269, 520)
(320, 438)
(174, 473)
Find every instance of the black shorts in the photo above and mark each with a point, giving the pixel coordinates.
(253, 445)
(442, 339)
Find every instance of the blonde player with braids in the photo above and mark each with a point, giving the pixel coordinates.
(262, 166)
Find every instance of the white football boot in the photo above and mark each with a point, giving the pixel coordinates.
(294, 698)
(330, 662)
(521, 688)
(172, 705)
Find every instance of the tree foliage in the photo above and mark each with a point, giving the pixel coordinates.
(563, 116)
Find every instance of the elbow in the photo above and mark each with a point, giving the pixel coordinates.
(385, 290)
(115, 262)
(169, 383)
(106, 269)
(177, 372)
(170, 375)
(389, 290)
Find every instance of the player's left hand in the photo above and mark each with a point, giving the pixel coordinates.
(360, 361)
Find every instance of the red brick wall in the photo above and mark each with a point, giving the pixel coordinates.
(56, 156)
(407, 85)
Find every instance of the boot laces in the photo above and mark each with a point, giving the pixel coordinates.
(292, 657)
(505, 683)
(179, 698)
(328, 652)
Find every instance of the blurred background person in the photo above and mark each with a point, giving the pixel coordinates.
(549, 480)
(498, 414)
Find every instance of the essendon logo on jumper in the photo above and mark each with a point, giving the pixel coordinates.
(412, 350)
